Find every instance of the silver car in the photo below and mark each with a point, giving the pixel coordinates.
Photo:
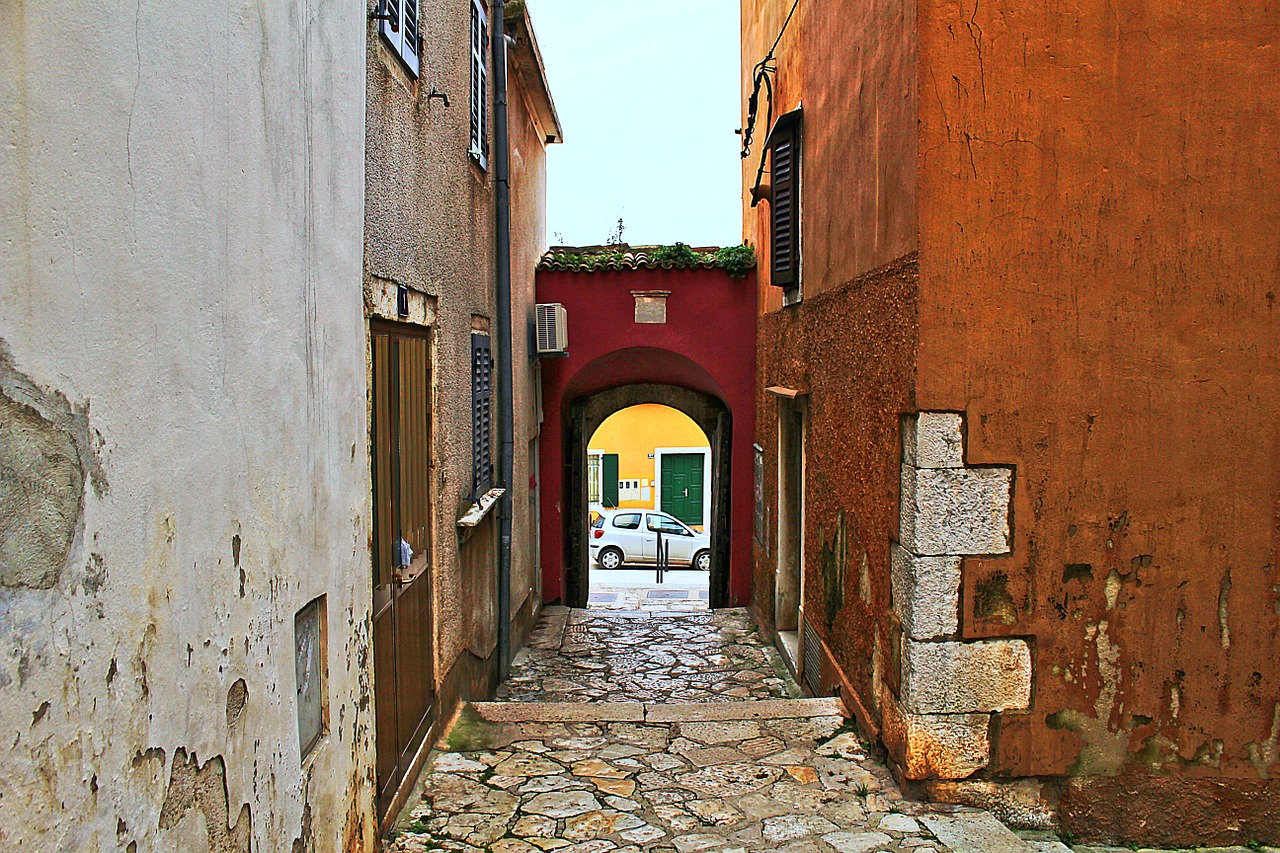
(621, 536)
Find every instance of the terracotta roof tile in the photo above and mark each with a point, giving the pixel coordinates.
(616, 257)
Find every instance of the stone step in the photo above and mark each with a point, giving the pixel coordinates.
(974, 832)
(636, 712)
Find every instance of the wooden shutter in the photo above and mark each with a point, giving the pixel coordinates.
(481, 414)
(411, 43)
(609, 478)
(784, 206)
(404, 37)
(479, 83)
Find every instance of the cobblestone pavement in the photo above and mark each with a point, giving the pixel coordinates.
(795, 785)
(594, 656)
(624, 736)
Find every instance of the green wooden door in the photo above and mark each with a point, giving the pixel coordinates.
(682, 487)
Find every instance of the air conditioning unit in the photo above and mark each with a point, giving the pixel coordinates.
(552, 329)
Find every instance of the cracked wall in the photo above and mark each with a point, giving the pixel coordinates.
(180, 328)
(1097, 295)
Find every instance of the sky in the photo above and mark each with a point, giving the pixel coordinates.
(647, 94)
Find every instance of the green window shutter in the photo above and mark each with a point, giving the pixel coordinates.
(609, 473)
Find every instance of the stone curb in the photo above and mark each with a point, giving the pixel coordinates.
(635, 712)
(762, 709)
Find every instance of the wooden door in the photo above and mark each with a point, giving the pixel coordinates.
(403, 627)
(682, 487)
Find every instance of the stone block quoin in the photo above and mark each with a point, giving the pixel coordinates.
(949, 688)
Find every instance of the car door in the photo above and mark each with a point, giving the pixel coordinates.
(626, 531)
(677, 538)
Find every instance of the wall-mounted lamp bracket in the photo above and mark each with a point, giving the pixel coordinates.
(436, 93)
(382, 13)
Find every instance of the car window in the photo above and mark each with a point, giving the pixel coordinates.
(629, 521)
(666, 524)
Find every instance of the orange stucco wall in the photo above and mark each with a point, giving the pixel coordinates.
(851, 66)
(1098, 273)
(1091, 191)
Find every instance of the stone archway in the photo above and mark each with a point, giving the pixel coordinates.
(585, 414)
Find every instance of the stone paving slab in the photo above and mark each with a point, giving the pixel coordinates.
(974, 833)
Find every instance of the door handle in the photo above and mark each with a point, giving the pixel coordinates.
(686, 493)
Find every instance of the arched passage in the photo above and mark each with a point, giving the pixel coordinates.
(702, 351)
(583, 415)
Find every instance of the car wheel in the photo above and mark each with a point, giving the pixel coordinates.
(702, 561)
(610, 558)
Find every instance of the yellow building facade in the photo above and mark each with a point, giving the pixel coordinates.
(651, 457)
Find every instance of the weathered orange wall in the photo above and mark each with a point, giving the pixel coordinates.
(1096, 216)
(852, 66)
(1099, 222)
(850, 343)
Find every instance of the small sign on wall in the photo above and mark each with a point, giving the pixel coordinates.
(651, 305)
(310, 665)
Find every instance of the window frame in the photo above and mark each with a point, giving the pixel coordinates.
(478, 137)
(395, 37)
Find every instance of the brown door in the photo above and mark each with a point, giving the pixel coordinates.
(403, 628)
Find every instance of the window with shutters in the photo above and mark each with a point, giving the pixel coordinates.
(400, 29)
(784, 205)
(479, 84)
(481, 414)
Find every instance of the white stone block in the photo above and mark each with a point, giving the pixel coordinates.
(933, 440)
(935, 746)
(958, 511)
(926, 593)
(965, 678)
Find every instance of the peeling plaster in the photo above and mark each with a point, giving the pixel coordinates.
(204, 789)
(1224, 593)
(1263, 756)
(1105, 751)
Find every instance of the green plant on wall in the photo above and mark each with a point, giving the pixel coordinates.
(737, 261)
(678, 255)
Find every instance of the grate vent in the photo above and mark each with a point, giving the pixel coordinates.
(812, 659)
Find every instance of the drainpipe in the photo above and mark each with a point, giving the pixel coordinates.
(506, 420)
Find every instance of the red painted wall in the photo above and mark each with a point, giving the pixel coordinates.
(706, 345)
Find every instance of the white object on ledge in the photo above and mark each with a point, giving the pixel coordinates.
(480, 508)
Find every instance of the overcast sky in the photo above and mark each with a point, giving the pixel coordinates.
(648, 98)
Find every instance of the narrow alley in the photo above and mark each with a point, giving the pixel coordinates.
(669, 731)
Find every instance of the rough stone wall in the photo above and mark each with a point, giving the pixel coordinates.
(937, 720)
(852, 65)
(852, 350)
(180, 343)
(1097, 223)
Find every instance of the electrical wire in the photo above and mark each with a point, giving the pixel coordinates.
(760, 77)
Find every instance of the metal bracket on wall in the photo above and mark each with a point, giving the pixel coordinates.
(382, 12)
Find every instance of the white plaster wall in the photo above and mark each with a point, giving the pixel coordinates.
(180, 257)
